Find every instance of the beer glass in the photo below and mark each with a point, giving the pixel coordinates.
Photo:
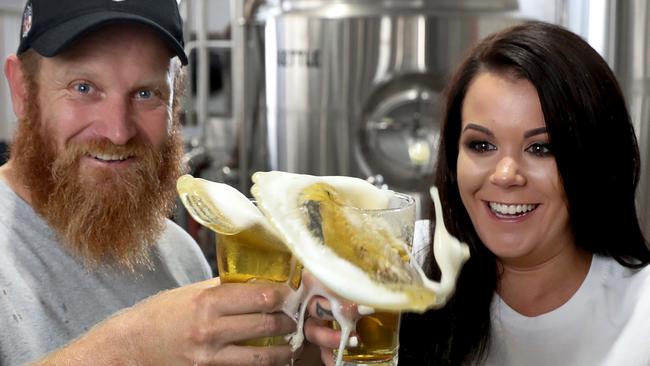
(256, 254)
(378, 333)
(247, 247)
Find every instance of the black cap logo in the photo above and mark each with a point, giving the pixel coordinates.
(27, 20)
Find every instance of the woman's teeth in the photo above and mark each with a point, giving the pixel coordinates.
(504, 209)
(105, 157)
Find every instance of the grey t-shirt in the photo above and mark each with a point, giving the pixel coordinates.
(48, 297)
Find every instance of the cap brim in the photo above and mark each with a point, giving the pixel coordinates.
(60, 37)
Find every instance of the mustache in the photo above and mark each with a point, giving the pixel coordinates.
(103, 146)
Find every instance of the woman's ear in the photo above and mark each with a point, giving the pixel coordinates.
(17, 85)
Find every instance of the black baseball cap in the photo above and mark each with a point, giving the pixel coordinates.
(51, 26)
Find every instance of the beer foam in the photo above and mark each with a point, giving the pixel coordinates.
(233, 212)
(296, 307)
(278, 196)
(343, 277)
(450, 255)
(241, 211)
(359, 192)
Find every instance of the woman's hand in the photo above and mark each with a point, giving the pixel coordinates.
(318, 329)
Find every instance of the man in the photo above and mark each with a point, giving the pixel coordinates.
(90, 267)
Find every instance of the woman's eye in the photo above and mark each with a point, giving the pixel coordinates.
(540, 149)
(83, 88)
(481, 146)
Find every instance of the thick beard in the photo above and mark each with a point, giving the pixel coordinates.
(106, 217)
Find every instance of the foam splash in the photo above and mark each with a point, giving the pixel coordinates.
(296, 304)
(336, 278)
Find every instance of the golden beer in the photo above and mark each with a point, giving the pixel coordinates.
(256, 255)
(378, 333)
(378, 336)
(247, 247)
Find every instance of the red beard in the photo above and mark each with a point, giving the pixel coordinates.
(104, 216)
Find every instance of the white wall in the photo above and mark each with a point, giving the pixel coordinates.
(584, 17)
(10, 19)
(544, 10)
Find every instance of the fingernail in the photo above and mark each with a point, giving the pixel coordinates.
(322, 312)
(353, 341)
(365, 310)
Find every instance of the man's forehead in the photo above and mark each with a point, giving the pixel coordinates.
(63, 71)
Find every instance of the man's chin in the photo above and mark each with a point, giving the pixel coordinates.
(100, 179)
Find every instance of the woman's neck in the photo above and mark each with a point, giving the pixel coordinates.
(543, 287)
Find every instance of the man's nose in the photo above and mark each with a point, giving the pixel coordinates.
(507, 173)
(118, 124)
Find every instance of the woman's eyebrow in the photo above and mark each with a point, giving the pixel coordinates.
(474, 126)
(535, 131)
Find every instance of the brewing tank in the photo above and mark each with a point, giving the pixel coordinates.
(629, 55)
(354, 87)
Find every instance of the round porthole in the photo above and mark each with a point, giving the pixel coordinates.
(399, 135)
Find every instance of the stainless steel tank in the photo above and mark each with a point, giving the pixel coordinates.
(354, 87)
(629, 56)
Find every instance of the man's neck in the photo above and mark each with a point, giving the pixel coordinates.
(544, 287)
(8, 175)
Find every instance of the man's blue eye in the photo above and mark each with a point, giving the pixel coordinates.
(83, 88)
(144, 94)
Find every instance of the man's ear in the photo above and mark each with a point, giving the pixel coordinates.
(17, 85)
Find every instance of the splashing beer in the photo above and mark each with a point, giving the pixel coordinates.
(248, 249)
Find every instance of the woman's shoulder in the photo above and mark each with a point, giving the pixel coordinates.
(632, 303)
(643, 276)
(611, 268)
(628, 285)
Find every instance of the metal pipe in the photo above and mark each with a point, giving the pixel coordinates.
(631, 66)
(238, 68)
(225, 44)
(185, 11)
(203, 71)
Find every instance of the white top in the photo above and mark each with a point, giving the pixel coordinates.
(606, 322)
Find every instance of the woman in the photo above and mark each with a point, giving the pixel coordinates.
(537, 171)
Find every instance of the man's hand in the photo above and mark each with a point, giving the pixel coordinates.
(197, 324)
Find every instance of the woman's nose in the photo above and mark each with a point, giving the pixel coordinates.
(507, 173)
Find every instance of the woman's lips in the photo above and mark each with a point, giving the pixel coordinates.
(511, 211)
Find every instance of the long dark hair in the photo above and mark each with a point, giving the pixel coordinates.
(595, 148)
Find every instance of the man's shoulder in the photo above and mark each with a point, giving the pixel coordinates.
(19, 223)
(9, 200)
(177, 246)
(176, 240)
(173, 231)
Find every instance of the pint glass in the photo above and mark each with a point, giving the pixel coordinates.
(256, 255)
(378, 333)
